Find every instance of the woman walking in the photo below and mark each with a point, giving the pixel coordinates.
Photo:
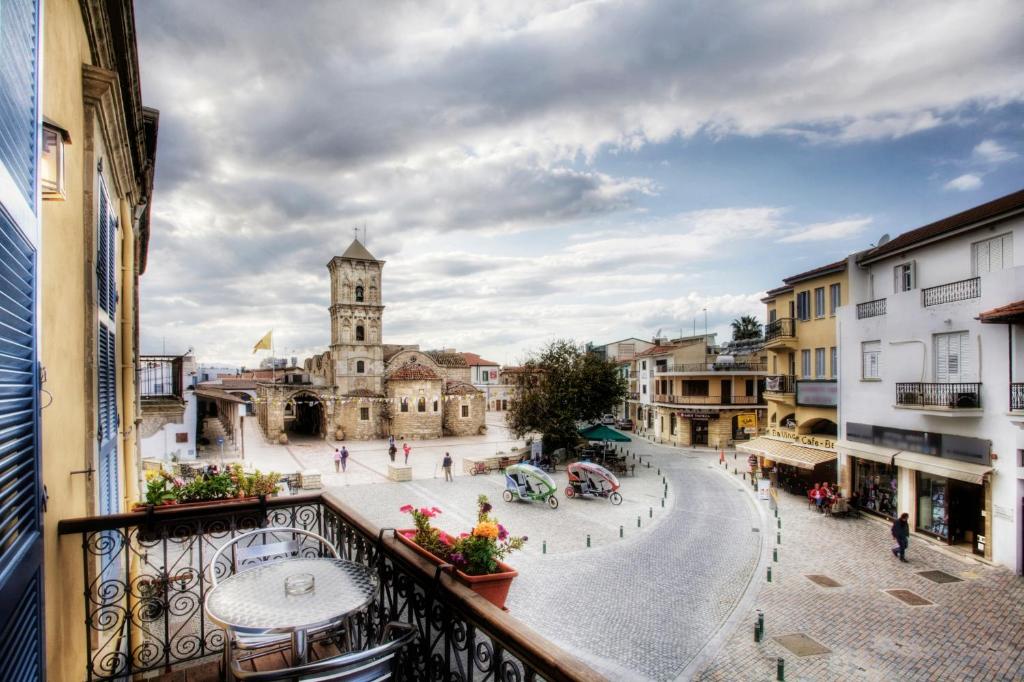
(406, 449)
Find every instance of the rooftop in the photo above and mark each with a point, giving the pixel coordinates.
(474, 360)
(413, 371)
(1012, 313)
(357, 251)
(446, 358)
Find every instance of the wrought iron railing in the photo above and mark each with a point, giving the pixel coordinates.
(781, 383)
(961, 395)
(1017, 396)
(739, 366)
(784, 327)
(954, 291)
(147, 575)
(706, 399)
(871, 308)
(633, 395)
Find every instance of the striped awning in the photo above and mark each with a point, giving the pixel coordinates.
(787, 452)
(866, 451)
(940, 466)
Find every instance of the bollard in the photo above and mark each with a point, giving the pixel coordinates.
(663, 503)
(780, 523)
(769, 574)
(780, 670)
(776, 512)
(588, 539)
(544, 547)
(734, 455)
(775, 554)
(620, 531)
(760, 622)
(744, 475)
(637, 520)
(735, 471)
(778, 538)
(663, 478)
(659, 473)
(648, 465)
(650, 512)
(757, 634)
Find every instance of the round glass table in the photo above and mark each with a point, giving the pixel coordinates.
(254, 601)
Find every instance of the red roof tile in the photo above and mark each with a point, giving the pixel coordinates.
(474, 360)
(413, 371)
(1012, 313)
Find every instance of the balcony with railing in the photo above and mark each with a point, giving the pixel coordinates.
(780, 384)
(147, 575)
(954, 291)
(871, 308)
(668, 399)
(951, 398)
(1017, 397)
(740, 366)
(779, 331)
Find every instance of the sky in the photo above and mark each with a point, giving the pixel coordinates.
(535, 170)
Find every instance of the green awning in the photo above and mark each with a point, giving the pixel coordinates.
(602, 432)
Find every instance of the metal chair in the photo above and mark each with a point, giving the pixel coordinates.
(251, 555)
(370, 665)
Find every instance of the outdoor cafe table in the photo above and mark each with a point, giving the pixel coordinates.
(253, 601)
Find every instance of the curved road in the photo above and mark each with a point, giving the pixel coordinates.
(644, 609)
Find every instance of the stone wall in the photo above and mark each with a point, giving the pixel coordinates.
(457, 425)
(414, 425)
(348, 417)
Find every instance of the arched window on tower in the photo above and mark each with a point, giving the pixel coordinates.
(359, 293)
(360, 333)
(360, 366)
(421, 406)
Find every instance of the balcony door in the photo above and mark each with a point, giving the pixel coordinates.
(952, 358)
(726, 391)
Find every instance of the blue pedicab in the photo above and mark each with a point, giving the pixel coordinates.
(527, 482)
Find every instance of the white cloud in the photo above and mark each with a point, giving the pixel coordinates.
(827, 231)
(990, 151)
(964, 183)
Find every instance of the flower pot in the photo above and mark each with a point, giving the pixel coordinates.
(493, 587)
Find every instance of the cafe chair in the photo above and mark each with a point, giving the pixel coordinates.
(248, 555)
(368, 665)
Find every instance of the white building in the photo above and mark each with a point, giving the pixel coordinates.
(168, 428)
(210, 372)
(931, 399)
(485, 375)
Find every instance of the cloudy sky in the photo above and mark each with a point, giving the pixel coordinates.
(557, 168)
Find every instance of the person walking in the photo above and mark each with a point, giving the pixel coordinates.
(446, 464)
(344, 457)
(391, 452)
(337, 460)
(406, 449)
(391, 441)
(901, 534)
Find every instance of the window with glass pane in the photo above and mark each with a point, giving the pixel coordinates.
(833, 295)
(819, 302)
(803, 305)
(835, 362)
(871, 358)
(805, 363)
(904, 277)
(819, 363)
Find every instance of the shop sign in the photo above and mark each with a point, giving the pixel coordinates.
(948, 445)
(804, 439)
(1001, 512)
(747, 420)
(698, 414)
(817, 393)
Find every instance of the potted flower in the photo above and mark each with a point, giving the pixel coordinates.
(161, 489)
(476, 556)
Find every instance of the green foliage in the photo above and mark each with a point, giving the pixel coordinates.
(160, 490)
(746, 327)
(216, 487)
(255, 484)
(571, 386)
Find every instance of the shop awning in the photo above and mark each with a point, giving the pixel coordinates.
(601, 432)
(787, 452)
(866, 451)
(938, 466)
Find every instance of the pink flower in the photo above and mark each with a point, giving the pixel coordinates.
(428, 513)
(502, 532)
(463, 535)
(444, 537)
(406, 509)
(435, 510)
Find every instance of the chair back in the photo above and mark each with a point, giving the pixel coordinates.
(246, 552)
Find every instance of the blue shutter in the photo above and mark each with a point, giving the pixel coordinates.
(18, 101)
(109, 502)
(106, 252)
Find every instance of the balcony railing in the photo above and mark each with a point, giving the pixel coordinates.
(871, 308)
(714, 367)
(706, 399)
(954, 291)
(147, 575)
(784, 327)
(782, 383)
(633, 395)
(953, 396)
(1017, 396)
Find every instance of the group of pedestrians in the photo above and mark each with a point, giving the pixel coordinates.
(341, 457)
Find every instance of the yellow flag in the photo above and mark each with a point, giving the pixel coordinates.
(264, 343)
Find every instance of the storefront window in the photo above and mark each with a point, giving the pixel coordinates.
(932, 499)
(874, 487)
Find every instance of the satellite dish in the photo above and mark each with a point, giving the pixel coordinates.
(884, 239)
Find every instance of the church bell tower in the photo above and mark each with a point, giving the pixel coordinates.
(356, 316)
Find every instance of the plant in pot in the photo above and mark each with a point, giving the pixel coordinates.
(162, 489)
(476, 556)
(255, 484)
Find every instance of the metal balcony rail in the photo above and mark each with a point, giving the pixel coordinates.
(706, 399)
(147, 575)
(954, 396)
(781, 383)
(954, 291)
(634, 395)
(871, 308)
(1017, 396)
(783, 327)
(714, 367)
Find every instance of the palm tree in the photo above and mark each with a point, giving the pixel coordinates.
(747, 327)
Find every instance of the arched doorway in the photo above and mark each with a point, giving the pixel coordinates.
(819, 427)
(305, 415)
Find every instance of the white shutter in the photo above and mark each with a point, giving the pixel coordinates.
(952, 357)
(995, 247)
(1007, 250)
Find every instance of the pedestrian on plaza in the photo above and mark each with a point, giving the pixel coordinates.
(446, 464)
(406, 449)
(337, 460)
(901, 534)
(391, 452)
(344, 457)
(391, 442)
(815, 495)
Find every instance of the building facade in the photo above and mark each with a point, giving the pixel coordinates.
(167, 431)
(931, 353)
(485, 375)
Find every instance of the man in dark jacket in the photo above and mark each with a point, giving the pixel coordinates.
(901, 534)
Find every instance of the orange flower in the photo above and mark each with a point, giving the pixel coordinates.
(486, 529)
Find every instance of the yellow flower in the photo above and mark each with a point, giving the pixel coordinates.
(486, 529)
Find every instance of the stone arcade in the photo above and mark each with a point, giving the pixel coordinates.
(362, 389)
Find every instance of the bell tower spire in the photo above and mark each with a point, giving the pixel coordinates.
(356, 320)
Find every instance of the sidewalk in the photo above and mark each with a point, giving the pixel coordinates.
(969, 629)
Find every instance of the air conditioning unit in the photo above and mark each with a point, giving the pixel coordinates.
(967, 400)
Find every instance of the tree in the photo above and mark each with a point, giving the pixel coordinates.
(747, 327)
(561, 386)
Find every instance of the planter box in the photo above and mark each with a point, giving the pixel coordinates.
(400, 472)
(310, 479)
(494, 587)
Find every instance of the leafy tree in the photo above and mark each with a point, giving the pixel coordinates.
(747, 327)
(561, 386)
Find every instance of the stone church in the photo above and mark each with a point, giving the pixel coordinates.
(362, 388)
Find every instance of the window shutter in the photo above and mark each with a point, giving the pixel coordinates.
(18, 99)
(913, 274)
(106, 432)
(995, 258)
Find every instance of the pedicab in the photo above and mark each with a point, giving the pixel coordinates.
(527, 482)
(592, 480)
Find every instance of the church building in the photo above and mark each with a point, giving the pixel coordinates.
(362, 388)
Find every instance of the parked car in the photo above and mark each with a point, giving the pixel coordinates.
(624, 424)
(608, 419)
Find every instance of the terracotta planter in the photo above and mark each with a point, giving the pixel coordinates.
(494, 587)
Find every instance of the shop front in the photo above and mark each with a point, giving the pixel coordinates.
(872, 478)
(792, 467)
